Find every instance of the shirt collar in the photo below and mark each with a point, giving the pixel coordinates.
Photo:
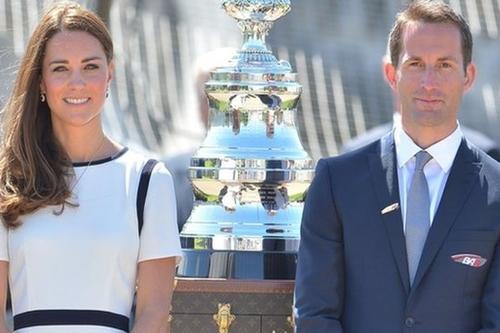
(443, 152)
(396, 119)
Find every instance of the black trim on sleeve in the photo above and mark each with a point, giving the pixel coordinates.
(142, 191)
(71, 317)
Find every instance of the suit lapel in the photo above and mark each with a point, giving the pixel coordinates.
(463, 175)
(383, 169)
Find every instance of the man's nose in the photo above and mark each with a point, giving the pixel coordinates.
(429, 78)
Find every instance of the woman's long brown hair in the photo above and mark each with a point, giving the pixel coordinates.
(34, 168)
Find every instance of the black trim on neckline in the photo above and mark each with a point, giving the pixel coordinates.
(102, 160)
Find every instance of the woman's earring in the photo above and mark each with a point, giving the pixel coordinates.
(42, 97)
(107, 93)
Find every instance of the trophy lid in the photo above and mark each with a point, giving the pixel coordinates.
(254, 69)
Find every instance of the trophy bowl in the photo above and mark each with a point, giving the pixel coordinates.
(256, 10)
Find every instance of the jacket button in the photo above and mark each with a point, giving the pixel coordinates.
(409, 322)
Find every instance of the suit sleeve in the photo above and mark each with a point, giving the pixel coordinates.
(490, 307)
(319, 291)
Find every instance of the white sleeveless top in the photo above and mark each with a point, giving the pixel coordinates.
(86, 258)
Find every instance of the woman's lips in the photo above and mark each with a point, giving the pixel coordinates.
(76, 101)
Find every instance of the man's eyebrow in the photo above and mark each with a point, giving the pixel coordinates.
(61, 61)
(412, 58)
(445, 58)
(448, 58)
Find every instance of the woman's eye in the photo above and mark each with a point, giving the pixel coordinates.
(59, 69)
(91, 66)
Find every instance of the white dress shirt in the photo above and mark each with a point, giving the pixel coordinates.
(436, 170)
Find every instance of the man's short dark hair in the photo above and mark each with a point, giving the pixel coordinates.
(429, 11)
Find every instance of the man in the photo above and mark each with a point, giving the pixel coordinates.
(403, 234)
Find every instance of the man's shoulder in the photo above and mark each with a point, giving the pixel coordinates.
(490, 167)
(489, 162)
(482, 141)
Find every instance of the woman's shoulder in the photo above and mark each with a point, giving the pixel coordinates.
(144, 162)
(130, 157)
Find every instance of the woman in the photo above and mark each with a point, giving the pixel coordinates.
(69, 243)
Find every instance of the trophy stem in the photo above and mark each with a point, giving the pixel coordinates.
(254, 34)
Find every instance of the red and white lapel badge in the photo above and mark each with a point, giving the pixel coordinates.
(472, 260)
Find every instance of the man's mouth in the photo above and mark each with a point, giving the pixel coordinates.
(426, 100)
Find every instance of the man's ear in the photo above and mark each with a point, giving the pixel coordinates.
(390, 75)
(470, 76)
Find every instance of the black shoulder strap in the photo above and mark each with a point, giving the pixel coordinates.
(142, 191)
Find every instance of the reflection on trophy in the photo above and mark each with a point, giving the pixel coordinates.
(251, 173)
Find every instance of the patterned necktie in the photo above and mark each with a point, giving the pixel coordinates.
(417, 214)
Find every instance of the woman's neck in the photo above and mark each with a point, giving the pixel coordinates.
(85, 145)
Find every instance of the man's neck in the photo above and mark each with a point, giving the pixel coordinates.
(424, 137)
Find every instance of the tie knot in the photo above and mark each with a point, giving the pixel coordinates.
(422, 158)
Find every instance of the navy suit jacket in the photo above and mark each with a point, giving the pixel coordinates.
(352, 273)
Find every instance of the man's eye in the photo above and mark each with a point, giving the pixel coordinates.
(445, 65)
(414, 64)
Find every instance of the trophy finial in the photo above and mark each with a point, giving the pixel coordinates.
(255, 18)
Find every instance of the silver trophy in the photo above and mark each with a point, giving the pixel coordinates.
(251, 173)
